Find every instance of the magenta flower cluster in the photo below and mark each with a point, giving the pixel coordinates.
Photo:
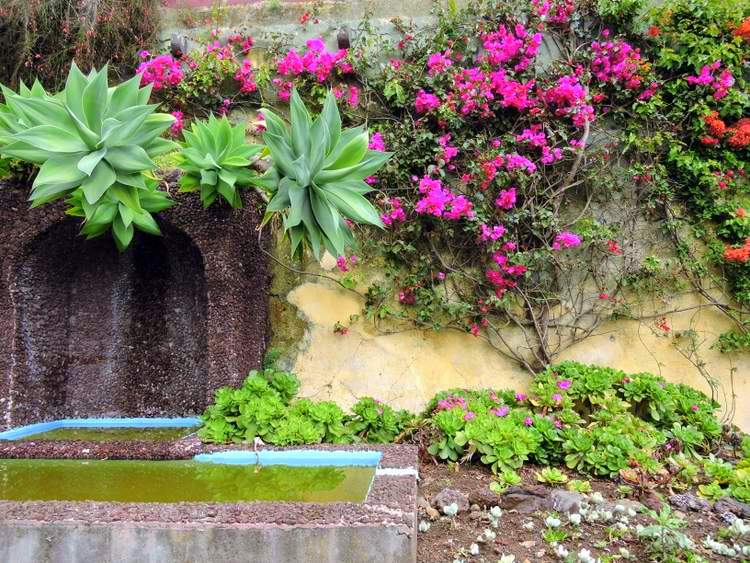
(246, 77)
(395, 214)
(566, 239)
(316, 61)
(720, 83)
(616, 62)
(161, 71)
(511, 46)
(440, 201)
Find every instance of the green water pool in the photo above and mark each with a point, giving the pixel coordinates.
(112, 434)
(178, 481)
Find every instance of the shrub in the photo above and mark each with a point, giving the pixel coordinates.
(40, 38)
(93, 145)
(212, 78)
(574, 413)
(376, 422)
(265, 406)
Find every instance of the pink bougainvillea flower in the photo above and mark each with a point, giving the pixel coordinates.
(566, 239)
(162, 72)
(426, 102)
(178, 125)
(438, 62)
(396, 214)
(506, 199)
(341, 264)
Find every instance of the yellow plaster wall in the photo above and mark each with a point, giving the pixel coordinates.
(406, 368)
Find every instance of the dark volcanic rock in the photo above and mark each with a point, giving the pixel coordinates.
(484, 497)
(686, 501)
(729, 504)
(447, 497)
(88, 332)
(525, 499)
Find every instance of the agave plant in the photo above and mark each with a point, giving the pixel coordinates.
(94, 145)
(215, 159)
(9, 123)
(317, 182)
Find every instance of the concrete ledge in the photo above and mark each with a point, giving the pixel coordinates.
(127, 543)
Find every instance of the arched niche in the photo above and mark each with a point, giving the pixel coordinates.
(103, 333)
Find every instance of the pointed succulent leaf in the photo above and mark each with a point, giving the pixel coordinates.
(123, 234)
(100, 180)
(89, 162)
(130, 158)
(51, 139)
(60, 170)
(301, 124)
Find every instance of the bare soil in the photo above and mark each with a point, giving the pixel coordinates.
(449, 539)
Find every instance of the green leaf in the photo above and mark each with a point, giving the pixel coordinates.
(125, 213)
(124, 95)
(300, 125)
(26, 152)
(352, 154)
(52, 139)
(123, 233)
(354, 206)
(89, 162)
(98, 183)
(131, 120)
(145, 222)
(131, 158)
(95, 100)
(128, 196)
(46, 193)
(60, 170)
(209, 178)
(332, 118)
(74, 87)
(298, 200)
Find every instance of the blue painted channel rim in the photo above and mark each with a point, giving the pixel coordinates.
(295, 458)
(31, 429)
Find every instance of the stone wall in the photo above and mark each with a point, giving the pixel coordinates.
(87, 331)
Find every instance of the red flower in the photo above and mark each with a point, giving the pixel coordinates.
(716, 126)
(653, 31)
(741, 213)
(709, 141)
(739, 134)
(614, 248)
(663, 325)
(740, 255)
(743, 30)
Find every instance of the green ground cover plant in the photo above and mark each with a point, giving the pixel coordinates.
(574, 415)
(266, 407)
